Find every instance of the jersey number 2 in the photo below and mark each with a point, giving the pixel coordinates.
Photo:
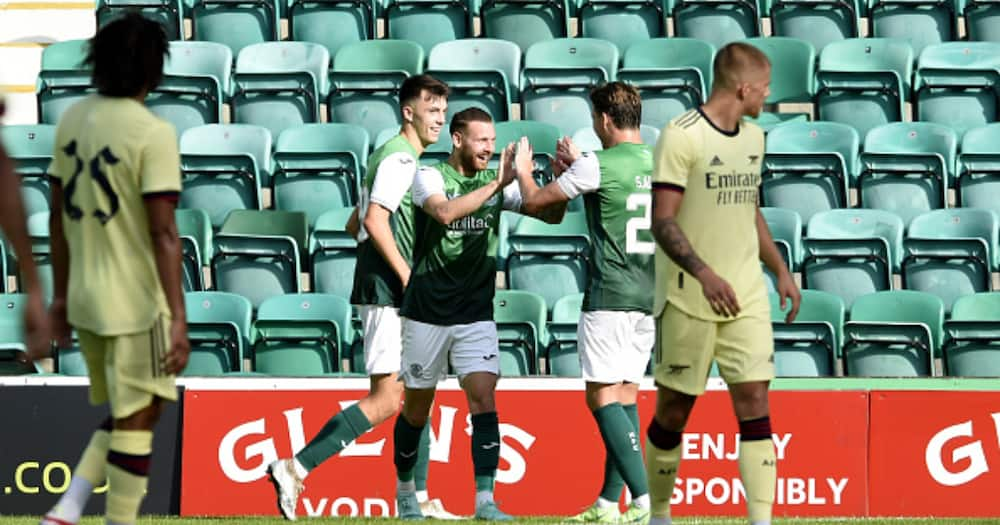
(99, 177)
(637, 224)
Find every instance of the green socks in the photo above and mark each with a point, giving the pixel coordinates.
(335, 435)
(621, 441)
(613, 483)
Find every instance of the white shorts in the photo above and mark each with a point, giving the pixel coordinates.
(383, 339)
(615, 346)
(471, 348)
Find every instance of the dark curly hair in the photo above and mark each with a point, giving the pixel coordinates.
(126, 56)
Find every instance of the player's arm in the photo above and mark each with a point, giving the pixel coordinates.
(392, 180)
(353, 225)
(428, 193)
(771, 257)
(547, 203)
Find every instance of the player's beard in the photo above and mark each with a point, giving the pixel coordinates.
(471, 162)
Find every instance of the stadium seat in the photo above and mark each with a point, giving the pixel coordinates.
(972, 337)
(562, 357)
(264, 223)
(63, 79)
(542, 136)
(169, 13)
(365, 82)
(951, 253)
(982, 21)
(219, 330)
(508, 221)
(30, 147)
(818, 22)
(520, 318)
(14, 361)
(918, 22)
(237, 24)
(957, 84)
(851, 253)
(977, 182)
(587, 140)
(279, 85)
(715, 22)
(428, 22)
(808, 167)
(558, 76)
(318, 167)
(863, 82)
(483, 73)
(524, 22)
(622, 22)
(195, 229)
(906, 167)
(673, 75)
(793, 67)
(38, 233)
(549, 259)
(312, 20)
(12, 318)
(196, 83)
(3, 266)
(70, 361)
(301, 334)
(893, 334)
(224, 166)
(810, 345)
(334, 254)
(786, 229)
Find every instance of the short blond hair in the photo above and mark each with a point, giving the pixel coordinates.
(734, 61)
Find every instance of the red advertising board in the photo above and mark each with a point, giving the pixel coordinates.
(551, 456)
(935, 453)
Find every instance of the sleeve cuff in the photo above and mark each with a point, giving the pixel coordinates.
(668, 186)
(385, 204)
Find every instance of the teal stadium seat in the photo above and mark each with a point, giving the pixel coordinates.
(301, 334)
(542, 136)
(524, 22)
(921, 23)
(587, 140)
(957, 84)
(480, 72)
(972, 336)
(562, 356)
(622, 22)
(893, 334)
(558, 76)
(223, 167)
(237, 24)
(365, 82)
(70, 361)
(864, 82)
(793, 69)
(951, 253)
(852, 253)
(716, 22)
(810, 345)
(195, 230)
(428, 22)
(818, 22)
(318, 167)
(977, 179)
(63, 79)
(334, 254)
(520, 318)
(219, 331)
(673, 75)
(196, 83)
(549, 259)
(906, 168)
(38, 233)
(312, 20)
(30, 147)
(786, 229)
(808, 167)
(982, 20)
(169, 13)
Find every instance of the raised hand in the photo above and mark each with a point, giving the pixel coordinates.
(524, 159)
(507, 172)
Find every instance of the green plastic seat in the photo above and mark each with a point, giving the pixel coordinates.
(318, 167)
(195, 85)
(893, 334)
(38, 233)
(972, 336)
(818, 22)
(717, 23)
(542, 136)
(365, 81)
(480, 72)
(428, 22)
(558, 76)
(70, 361)
(256, 267)
(30, 147)
(786, 229)
(63, 79)
(906, 168)
(334, 254)
(957, 84)
(14, 361)
(808, 167)
(977, 179)
(562, 357)
(793, 68)
(301, 334)
(810, 345)
(921, 23)
(223, 166)
(235, 24)
(852, 253)
(622, 22)
(508, 222)
(549, 259)
(192, 278)
(673, 75)
(312, 20)
(219, 331)
(520, 318)
(951, 253)
(271, 223)
(982, 21)
(524, 22)
(864, 82)
(195, 224)
(12, 318)
(169, 13)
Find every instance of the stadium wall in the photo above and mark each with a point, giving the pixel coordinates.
(908, 448)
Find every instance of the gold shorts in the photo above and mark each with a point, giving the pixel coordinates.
(125, 369)
(686, 346)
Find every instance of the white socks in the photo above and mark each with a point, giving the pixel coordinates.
(423, 496)
(605, 504)
(642, 501)
(300, 471)
(70, 506)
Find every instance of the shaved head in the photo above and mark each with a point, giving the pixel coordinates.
(738, 63)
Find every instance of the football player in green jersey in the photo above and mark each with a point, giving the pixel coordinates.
(448, 307)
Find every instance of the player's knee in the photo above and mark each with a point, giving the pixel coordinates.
(144, 419)
(750, 403)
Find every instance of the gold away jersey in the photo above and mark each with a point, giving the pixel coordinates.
(719, 173)
(110, 154)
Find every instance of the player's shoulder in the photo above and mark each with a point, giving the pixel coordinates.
(686, 122)
(396, 161)
(752, 129)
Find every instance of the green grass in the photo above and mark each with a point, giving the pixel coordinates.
(538, 521)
